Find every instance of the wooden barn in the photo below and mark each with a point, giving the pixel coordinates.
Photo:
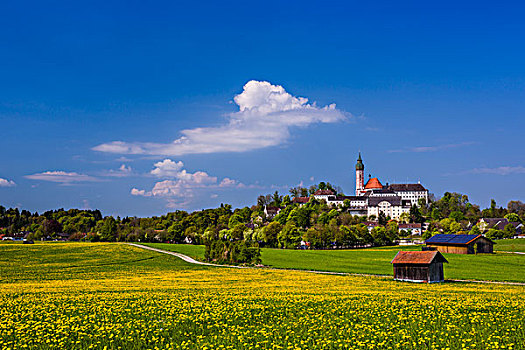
(460, 244)
(415, 266)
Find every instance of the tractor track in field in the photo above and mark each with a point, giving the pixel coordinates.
(193, 261)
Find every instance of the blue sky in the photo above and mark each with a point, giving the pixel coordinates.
(93, 96)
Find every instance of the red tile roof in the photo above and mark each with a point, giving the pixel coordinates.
(301, 199)
(401, 226)
(425, 257)
(373, 183)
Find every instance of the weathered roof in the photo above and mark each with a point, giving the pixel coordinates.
(401, 226)
(452, 239)
(352, 198)
(273, 210)
(382, 191)
(370, 223)
(301, 199)
(416, 257)
(492, 220)
(407, 187)
(373, 183)
(393, 200)
(323, 193)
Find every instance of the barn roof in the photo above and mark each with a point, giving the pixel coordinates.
(416, 257)
(452, 239)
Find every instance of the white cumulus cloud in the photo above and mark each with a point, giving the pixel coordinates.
(6, 183)
(167, 168)
(265, 117)
(227, 182)
(137, 192)
(178, 185)
(62, 177)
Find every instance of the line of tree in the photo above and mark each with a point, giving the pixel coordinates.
(235, 235)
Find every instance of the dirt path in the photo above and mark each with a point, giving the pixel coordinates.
(522, 253)
(193, 261)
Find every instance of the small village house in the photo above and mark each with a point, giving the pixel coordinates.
(460, 244)
(419, 266)
(485, 224)
(412, 229)
(271, 212)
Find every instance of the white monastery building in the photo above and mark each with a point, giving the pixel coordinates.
(373, 197)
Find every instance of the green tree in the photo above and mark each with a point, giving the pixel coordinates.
(392, 230)
(271, 233)
(509, 231)
(457, 216)
(380, 236)
(289, 237)
(512, 217)
(108, 229)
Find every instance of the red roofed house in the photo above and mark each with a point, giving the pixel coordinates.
(414, 229)
(301, 200)
(419, 266)
(271, 212)
(323, 194)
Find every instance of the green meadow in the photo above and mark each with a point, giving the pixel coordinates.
(376, 261)
(510, 245)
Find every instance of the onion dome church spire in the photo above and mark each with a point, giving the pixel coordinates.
(359, 176)
(359, 165)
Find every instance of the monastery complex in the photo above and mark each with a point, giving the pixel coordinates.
(373, 197)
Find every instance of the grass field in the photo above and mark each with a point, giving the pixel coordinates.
(510, 245)
(491, 267)
(114, 296)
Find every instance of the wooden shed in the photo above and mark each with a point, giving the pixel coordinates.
(460, 244)
(415, 266)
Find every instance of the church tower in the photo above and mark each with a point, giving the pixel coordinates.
(359, 176)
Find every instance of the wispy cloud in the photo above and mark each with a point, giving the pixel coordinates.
(6, 183)
(62, 177)
(265, 117)
(502, 170)
(122, 171)
(421, 149)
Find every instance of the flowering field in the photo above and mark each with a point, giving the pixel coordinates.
(81, 296)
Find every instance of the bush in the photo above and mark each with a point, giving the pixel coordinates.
(232, 252)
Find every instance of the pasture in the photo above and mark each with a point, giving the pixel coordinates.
(114, 296)
(510, 245)
(376, 261)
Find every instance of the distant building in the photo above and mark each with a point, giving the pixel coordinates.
(416, 266)
(373, 197)
(271, 212)
(485, 224)
(370, 225)
(301, 200)
(413, 229)
(460, 244)
(323, 194)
